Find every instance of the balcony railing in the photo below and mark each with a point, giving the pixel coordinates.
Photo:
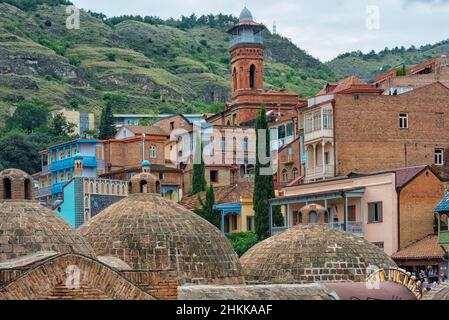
(245, 39)
(318, 134)
(353, 227)
(45, 169)
(443, 238)
(320, 172)
(57, 187)
(70, 163)
(43, 192)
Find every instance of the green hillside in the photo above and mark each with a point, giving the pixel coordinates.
(367, 66)
(158, 64)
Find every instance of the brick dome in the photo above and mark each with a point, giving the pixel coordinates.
(149, 232)
(26, 227)
(312, 253)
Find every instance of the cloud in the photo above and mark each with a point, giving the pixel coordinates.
(324, 28)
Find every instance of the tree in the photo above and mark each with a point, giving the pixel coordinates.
(29, 116)
(199, 170)
(107, 126)
(19, 151)
(59, 126)
(263, 184)
(207, 208)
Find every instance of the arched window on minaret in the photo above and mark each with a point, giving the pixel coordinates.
(7, 188)
(252, 76)
(234, 79)
(27, 189)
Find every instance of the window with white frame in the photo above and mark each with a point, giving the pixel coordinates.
(152, 152)
(375, 212)
(308, 123)
(403, 121)
(317, 121)
(327, 158)
(327, 119)
(439, 157)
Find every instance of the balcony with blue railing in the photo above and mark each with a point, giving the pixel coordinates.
(57, 187)
(355, 228)
(70, 163)
(235, 40)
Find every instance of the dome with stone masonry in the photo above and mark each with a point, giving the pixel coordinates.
(149, 232)
(311, 253)
(246, 16)
(26, 227)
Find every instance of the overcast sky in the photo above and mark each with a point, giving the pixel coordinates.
(324, 28)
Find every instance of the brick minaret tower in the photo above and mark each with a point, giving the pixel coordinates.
(246, 49)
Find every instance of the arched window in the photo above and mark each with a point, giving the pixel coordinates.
(152, 152)
(295, 173)
(130, 188)
(245, 145)
(252, 76)
(313, 217)
(7, 190)
(158, 187)
(27, 189)
(284, 175)
(234, 79)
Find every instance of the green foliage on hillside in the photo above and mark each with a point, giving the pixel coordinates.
(174, 65)
(368, 66)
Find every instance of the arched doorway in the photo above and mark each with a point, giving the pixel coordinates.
(313, 217)
(143, 186)
(27, 189)
(7, 190)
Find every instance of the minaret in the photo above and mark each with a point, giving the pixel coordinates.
(146, 166)
(247, 50)
(78, 171)
(274, 28)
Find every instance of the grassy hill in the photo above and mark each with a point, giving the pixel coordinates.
(367, 66)
(157, 66)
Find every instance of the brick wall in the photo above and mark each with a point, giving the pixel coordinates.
(162, 285)
(368, 137)
(289, 162)
(178, 122)
(417, 203)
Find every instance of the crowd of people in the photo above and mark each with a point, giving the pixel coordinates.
(430, 279)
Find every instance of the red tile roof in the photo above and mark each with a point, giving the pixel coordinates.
(223, 195)
(147, 130)
(427, 248)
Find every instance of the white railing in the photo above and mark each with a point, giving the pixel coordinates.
(245, 39)
(320, 172)
(353, 227)
(318, 134)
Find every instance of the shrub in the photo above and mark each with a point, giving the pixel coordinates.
(111, 56)
(242, 242)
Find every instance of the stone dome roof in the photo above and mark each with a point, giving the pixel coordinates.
(246, 16)
(312, 253)
(27, 227)
(149, 232)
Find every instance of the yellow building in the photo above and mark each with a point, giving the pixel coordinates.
(83, 121)
(234, 204)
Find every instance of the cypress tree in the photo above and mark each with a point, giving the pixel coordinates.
(263, 184)
(107, 126)
(207, 211)
(199, 183)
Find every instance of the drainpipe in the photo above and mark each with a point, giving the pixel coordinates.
(143, 147)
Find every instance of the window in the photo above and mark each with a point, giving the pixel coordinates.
(172, 125)
(161, 176)
(295, 173)
(290, 130)
(152, 152)
(439, 157)
(317, 121)
(284, 175)
(439, 120)
(234, 222)
(375, 212)
(245, 145)
(403, 121)
(214, 176)
(250, 223)
(308, 123)
(352, 214)
(290, 151)
(252, 76)
(327, 119)
(223, 144)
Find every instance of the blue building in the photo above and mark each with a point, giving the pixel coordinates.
(58, 166)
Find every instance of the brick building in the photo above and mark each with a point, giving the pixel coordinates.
(353, 126)
(246, 49)
(400, 79)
